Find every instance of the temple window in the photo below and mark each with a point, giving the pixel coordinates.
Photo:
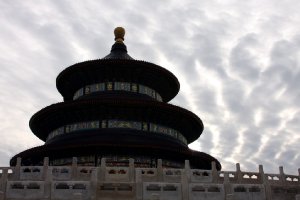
(116, 123)
(145, 126)
(109, 86)
(87, 90)
(122, 86)
(158, 97)
(103, 124)
(117, 86)
(134, 87)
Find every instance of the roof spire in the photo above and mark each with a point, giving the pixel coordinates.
(119, 34)
(118, 49)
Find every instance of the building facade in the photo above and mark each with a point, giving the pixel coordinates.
(115, 136)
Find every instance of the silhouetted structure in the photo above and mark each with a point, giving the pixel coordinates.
(116, 108)
(115, 137)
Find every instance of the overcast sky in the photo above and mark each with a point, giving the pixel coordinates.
(238, 63)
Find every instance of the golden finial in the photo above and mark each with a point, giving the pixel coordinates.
(119, 34)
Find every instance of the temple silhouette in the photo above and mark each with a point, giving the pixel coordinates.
(115, 136)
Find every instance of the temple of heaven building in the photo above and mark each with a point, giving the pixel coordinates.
(116, 108)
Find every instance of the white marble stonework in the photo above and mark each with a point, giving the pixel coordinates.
(130, 183)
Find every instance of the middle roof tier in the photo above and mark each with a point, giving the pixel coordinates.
(149, 112)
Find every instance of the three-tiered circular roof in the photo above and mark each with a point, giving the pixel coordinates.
(108, 105)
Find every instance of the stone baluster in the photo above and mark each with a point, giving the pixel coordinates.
(102, 170)
(131, 170)
(185, 179)
(281, 175)
(214, 172)
(74, 168)
(187, 169)
(239, 173)
(94, 181)
(3, 180)
(265, 182)
(159, 170)
(45, 168)
(227, 185)
(263, 179)
(139, 184)
(47, 177)
(17, 169)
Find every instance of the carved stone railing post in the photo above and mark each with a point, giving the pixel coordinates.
(239, 173)
(74, 168)
(262, 174)
(3, 180)
(159, 170)
(102, 170)
(265, 182)
(94, 181)
(282, 175)
(185, 179)
(139, 184)
(17, 170)
(45, 168)
(227, 187)
(187, 169)
(214, 172)
(47, 177)
(131, 170)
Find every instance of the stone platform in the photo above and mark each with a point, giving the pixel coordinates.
(130, 183)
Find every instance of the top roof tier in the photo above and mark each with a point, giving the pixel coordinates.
(117, 66)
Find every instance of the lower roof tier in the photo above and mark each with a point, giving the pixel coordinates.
(53, 117)
(173, 154)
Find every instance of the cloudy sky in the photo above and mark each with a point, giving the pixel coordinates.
(238, 63)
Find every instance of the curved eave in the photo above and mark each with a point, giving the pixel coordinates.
(89, 72)
(115, 135)
(60, 114)
(168, 152)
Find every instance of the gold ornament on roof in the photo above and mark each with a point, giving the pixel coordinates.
(119, 34)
